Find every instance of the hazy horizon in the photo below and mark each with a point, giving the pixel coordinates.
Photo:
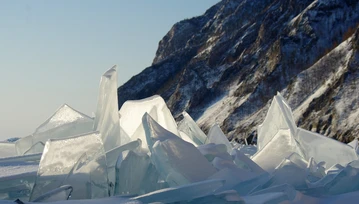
(55, 52)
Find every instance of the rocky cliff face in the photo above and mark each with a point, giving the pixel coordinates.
(226, 65)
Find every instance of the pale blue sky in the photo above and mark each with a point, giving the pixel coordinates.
(54, 52)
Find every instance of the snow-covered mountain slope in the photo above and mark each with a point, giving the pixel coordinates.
(226, 65)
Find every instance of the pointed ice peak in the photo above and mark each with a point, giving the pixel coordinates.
(190, 127)
(63, 115)
(107, 118)
(279, 117)
(216, 135)
(111, 72)
(161, 134)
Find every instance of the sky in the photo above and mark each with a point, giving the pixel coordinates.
(54, 52)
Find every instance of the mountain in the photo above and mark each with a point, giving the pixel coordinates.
(226, 65)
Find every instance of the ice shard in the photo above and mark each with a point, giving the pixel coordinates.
(344, 181)
(283, 173)
(243, 162)
(65, 122)
(179, 162)
(77, 161)
(7, 149)
(183, 193)
(190, 127)
(232, 176)
(186, 138)
(354, 145)
(211, 150)
(152, 181)
(315, 171)
(281, 146)
(131, 116)
(216, 136)
(252, 185)
(130, 173)
(112, 156)
(279, 117)
(322, 148)
(107, 118)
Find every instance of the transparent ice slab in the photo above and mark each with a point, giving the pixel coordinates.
(322, 148)
(243, 162)
(279, 117)
(179, 162)
(130, 173)
(315, 171)
(181, 193)
(283, 174)
(216, 136)
(211, 150)
(190, 127)
(65, 122)
(107, 119)
(77, 161)
(112, 156)
(7, 149)
(281, 146)
(186, 138)
(232, 176)
(252, 185)
(131, 116)
(344, 181)
(152, 181)
(248, 150)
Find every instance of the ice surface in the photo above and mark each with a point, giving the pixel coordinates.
(65, 122)
(179, 162)
(190, 127)
(232, 176)
(77, 161)
(107, 118)
(287, 189)
(61, 193)
(131, 116)
(181, 193)
(24, 158)
(224, 197)
(215, 135)
(17, 179)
